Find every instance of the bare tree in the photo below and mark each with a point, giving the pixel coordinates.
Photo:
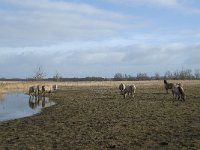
(176, 75)
(142, 76)
(39, 73)
(168, 75)
(197, 74)
(185, 74)
(118, 77)
(157, 76)
(57, 77)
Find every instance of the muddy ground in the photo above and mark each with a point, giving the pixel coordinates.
(99, 118)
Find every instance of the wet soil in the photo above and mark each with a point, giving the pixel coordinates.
(99, 118)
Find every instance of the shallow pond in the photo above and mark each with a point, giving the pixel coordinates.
(15, 105)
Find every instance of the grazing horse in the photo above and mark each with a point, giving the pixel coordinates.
(33, 91)
(168, 86)
(122, 88)
(178, 91)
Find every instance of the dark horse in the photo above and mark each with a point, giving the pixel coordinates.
(168, 85)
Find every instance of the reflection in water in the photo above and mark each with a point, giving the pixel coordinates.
(17, 105)
(39, 101)
(2, 96)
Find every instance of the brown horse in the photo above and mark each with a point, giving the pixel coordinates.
(168, 85)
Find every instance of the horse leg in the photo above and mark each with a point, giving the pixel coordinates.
(121, 92)
(132, 94)
(166, 89)
(172, 94)
(124, 94)
(179, 97)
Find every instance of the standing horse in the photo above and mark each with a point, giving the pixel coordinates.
(178, 91)
(39, 89)
(49, 89)
(127, 90)
(168, 85)
(46, 89)
(33, 91)
(130, 90)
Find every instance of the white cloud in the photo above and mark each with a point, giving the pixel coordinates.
(166, 3)
(79, 39)
(48, 22)
(100, 60)
(185, 6)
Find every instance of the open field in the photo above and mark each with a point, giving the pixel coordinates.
(93, 115)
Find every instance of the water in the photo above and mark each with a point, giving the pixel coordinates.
(15, 105)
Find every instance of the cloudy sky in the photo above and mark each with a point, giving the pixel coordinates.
(80, 38)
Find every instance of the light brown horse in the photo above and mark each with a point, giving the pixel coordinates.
(130, 90)
(49, 89)
(178, 92)
(127, 90)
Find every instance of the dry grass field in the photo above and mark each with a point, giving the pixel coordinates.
(93, 115)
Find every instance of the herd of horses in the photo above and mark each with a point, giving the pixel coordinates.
(37, 95)
(176, 88)
(42, 90)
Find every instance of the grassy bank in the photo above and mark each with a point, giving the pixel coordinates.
(93, 115)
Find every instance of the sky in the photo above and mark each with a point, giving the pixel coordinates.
(81, 38)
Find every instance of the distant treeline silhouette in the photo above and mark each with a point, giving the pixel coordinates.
(184, 74)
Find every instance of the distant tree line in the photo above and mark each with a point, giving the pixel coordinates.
(125, 77)
(184, 74)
